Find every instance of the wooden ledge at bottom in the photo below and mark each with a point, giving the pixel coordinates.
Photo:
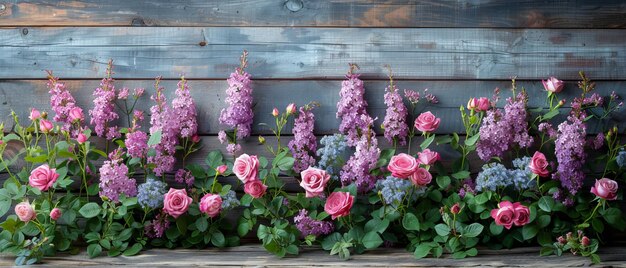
(256, 256)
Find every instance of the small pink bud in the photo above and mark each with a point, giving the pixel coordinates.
(34, 114)
(553, 85)
(1, 142)
(275, 112)
(221, 169)
(561, 240)
(195, 138)
(55, 214)
(585, 241)
(455, 209)
(291, 108)
(76, 114)
(472, 104)
(81, 138)
(45, 126)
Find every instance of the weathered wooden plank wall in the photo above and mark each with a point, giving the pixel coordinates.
(299, 50)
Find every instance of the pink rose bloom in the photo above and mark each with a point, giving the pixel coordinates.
(504, 215)
(522, 214)
(81, 138)
(25, 212)
(76, 114)
(255, 188)
(291, 108)
(42, 177)
(211, 204)
(176, 202)
(246, 168)
(421, 177)
(45, 126)
(338, 204)
(539, 164)
(472, 104)
(428, 157)
(55, 214)
(553, 85)
(313, 181)
(221, 169)
(34, 114)
(605, 189)
(402, 165)
(427, 122)
(483, 104)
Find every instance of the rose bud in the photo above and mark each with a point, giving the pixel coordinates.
(76, 114)
(25, 212)
(455, 209)
(585, 241)
(561, 240)
(483, 104)
(261, 140)
(472, 104)
(45, 126)
(553, 85)
(195, 138)
(34, 114)
(291, 108)
(81, 138)
(275, 112)
(55, 214)
(221, 169)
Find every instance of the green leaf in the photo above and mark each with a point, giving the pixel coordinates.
(243, 228)
(155, 138)
(463, 174)
(495, 229)
(214, 159)
(551, 114)
(218, 239)
(472, 140)
(595, 258)
(90, 210)
(94, 250)
(410, 222)
(422, 251)
(133, 250)
(471, 252)
(543, 221)
(372, 240)
(202, 224)
(286, 163)
(546, 203)
(529, 231)
(472, 230)
(546, 251)
(5, 201)
(459, 255)
(443, 181)
(376, 225)
(482, 198)
(613, 216)
(442, 229)
(427, 142)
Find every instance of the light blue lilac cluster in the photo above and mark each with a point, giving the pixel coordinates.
(621, 158)
(394, 190)
(150, 193)
(310, 226)
(229, 200)
(495, 176)
(332, 154)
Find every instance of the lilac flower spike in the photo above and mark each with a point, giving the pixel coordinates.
(395, 125)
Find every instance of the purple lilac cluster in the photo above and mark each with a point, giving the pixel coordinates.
(184, 176)
(114, 179)
(351, 107)
(103, 111)
(184, 108)
(304, 143)
(137, 143)
(158, 226)
(499, 132)
(238, 115)
(358, 167)
(395, 125)
(61, 101)
(547, 129)
(597, 141)
(310, 226)
(468, 186)
(570, 153)
(163, 120)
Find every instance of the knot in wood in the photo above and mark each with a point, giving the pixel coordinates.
(3, 7)
(294, 5)
(138, 22)
(25, 31)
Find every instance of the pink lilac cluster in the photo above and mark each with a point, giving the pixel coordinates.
(103, 112)
(351, 107)
(165, 121)
(570, 153)
(184, 108)
(358, 167)
(238, 115)
(137, 143)
(304, 144)
(114, 179)
(61, 101)
(412, 95)
(547, 129)
(158, 226)
(184, 176)
(499, 132)
(395, 125)
(310, 226)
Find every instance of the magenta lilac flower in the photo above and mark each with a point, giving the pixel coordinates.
(310, 226)
(163, 120)
(61, 101)
(351, 106)
(158, 226)
(184, 176)
(184, 108)
(395, 126)
(103, 112)
(570, 153)
(238, 115)
(114, 180)
(304, 143)
(136, 144)
(358, 167)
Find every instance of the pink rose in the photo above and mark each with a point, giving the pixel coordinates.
(255, 188)
(585, 241)
(522, 214)
(504, 215)
(539, 164)
(291, 108)
(483, 104)
(313, 181)
(25, 212)
(42, 177)
(275, 112)
(421, 177)
(55, 214)
(553, 85)
(76, 114)
(338, 204)
(246, 168)
(45, 126)
(211, 204)
(605, 189)
(176, 202)
(221, 169)
(402, 165)
(34, 114)
(428, 157)
(472, 104)
(427, 122)
(81, 138)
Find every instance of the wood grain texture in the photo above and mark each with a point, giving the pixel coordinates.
(313, 53)
(333, 13)
(209, 97)
(255, 256)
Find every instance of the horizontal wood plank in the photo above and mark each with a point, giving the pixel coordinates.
(333, 13)
(253, 255)
(312, 53)
(209, 97)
